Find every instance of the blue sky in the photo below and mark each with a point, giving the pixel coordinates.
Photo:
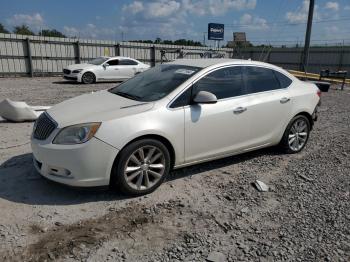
(264, 21)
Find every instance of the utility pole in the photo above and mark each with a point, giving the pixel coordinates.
(305, 54)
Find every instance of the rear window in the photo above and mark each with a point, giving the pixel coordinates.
(259, 79)
(284, 80)
(127, 62)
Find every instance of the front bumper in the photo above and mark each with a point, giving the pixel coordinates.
(69, 77)
(82, 165)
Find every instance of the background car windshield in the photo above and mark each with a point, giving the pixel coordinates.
(98, 61)
(155, 83)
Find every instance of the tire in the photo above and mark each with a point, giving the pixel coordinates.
(299, 129)
(144, 174)
(88, 78)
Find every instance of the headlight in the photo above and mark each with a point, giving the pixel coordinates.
(77, 71)
(76, 134)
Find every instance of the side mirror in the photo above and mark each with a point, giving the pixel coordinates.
(204, 97)
(105, 65)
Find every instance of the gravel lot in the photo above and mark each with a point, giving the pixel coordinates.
(208, 211)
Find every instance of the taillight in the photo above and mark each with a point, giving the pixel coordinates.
(319, 93)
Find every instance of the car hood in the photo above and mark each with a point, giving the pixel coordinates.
(81, 66)
(96, 107)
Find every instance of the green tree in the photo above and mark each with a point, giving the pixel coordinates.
(3, 29)
(23, 30)
(158, 41)
(52, 33)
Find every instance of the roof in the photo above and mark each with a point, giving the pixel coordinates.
(215, 61)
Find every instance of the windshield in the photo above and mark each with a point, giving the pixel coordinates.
(98, 61)
(155, 83)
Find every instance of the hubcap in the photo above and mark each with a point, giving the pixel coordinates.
(144, 168)
(298, 135)
(88, 78)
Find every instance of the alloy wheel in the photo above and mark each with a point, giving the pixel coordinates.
(144, 168)
(298, 134)
(88, 78)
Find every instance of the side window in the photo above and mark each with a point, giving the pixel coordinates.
(259, 79)
(224, 83)
(183, 100)
(284, 80)
(113, 62)
(127, 62)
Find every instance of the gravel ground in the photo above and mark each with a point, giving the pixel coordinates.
(205, 212)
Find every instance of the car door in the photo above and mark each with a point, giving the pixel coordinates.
(267, 104)
(129, 67)
(215, 129)
(110, 70)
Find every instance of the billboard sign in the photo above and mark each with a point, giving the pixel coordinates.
(239, 37)
(215, 31)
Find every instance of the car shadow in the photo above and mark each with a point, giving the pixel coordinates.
(21, 183)
(71, 82)
(65, 82)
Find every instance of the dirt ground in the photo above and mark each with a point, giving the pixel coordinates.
(205, 212)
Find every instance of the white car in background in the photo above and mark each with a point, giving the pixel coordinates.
(104, 68)
(173, 115)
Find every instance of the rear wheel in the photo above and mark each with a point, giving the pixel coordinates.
(296, 135)
(88, 78)
(142, 167)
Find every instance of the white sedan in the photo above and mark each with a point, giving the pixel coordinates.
(104, 69)
(173, 115)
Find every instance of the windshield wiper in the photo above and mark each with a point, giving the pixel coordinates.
(126, 95)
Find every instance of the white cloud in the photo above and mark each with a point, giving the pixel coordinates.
(35, 21)
(89, 31)
(334, 6)
(162, 8)
(71, 31)
(134, 8)
(301, 14)
(171, 19)
(253, 22)
(220, 7)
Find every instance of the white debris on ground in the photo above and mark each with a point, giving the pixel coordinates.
(16, 111)
(261, 186)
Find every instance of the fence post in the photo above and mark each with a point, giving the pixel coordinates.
(30, 60)
(341, 57)
(153, 56)
(117, 50)
(77, 52)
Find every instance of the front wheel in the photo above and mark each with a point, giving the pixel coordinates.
(142, 167)
(296, 135)
(88, 78)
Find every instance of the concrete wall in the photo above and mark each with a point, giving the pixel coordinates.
(37, 56)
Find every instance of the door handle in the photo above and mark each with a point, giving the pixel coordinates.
(284, 100)
(239, 110)
(116, 68)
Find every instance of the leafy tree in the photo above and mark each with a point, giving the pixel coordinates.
(158, 41)
(23, 30)
(52, 33)
(170, 42)
(3, 29)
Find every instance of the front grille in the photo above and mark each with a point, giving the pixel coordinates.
(66, 71)
(44, 126)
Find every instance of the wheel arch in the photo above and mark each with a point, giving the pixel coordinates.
(160, 138)
(88, 71)
(308, 116)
